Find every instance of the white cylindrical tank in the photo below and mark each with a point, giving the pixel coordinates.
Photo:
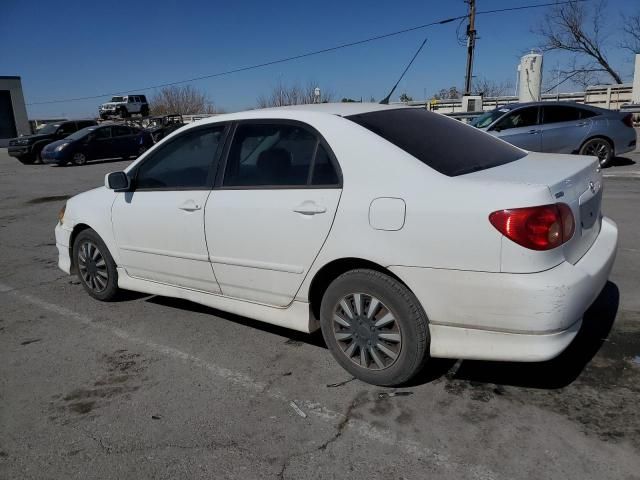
(530, 81)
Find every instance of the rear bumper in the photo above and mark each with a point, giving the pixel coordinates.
(516, 317)
(63, 240)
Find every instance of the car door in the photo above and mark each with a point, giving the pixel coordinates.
(99, 143)
(271, 211)
(564, 128)
(159, 225)
(520, 128)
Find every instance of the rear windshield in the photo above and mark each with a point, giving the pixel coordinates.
(442, 143)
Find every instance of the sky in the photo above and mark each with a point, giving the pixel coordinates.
(82, 48)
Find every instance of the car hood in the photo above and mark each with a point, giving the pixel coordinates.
(53, 145)
(111, 104)
(34, 137)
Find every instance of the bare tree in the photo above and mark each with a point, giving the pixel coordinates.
(631, 28)
(294, 94)
(490, 88)
(406, 98)
(450, 93)
(185, 100)
(577, 29)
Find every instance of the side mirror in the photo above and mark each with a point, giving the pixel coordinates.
(118, 181)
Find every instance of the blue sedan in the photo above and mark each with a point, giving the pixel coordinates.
(562, 127)
(98, 142)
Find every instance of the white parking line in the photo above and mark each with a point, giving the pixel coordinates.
(361, 427)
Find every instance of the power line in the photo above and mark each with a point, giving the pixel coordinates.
(307, 54)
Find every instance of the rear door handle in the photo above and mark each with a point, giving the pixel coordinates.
(533, 132)
(309, 207)
(190, 206)
(582, 124)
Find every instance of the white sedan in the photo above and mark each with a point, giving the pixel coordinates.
(401, 233)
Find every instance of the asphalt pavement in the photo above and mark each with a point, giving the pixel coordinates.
(153, 387)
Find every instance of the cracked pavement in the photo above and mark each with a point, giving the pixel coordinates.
(152, 387)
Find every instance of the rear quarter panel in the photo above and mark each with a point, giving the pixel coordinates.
(446, 224)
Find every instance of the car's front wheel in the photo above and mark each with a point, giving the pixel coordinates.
(95, 266)
(375, 327)
(598, 147)
(79, 159)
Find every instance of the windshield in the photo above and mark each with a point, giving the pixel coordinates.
(117, 99)
(80, 133)
(487, 118)
(48, 129)
(444, 144)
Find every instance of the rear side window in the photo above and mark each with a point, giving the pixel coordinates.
(559, 113)
(520, 118)
(272, 154)
(446, 145)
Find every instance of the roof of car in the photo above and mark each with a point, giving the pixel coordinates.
(511, 106)
(342, 108)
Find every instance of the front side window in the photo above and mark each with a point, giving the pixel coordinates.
(559, 113)
(67, 128)
(183, 163)
(523, 117)
(273, 154)
(444, 144)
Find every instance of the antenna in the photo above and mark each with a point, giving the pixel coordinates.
(385, 100)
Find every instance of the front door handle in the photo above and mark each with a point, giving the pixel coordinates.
(533, 132)
(190, 206)
(309, 208)
(582, 124)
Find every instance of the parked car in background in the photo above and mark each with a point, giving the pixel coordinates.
(401, 233)
(92, 143)
(562, 127)
(161, 126)
(27, 148)
(124, 106)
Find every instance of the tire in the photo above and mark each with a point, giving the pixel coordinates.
(598, 147)
(79, 159)
(38, 157)
(98, 275)
(124, 113)
(144, 111)
(394, 350)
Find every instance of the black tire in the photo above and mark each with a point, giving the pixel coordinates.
(410, 326)
(38, 157)
(95, 283)
(124, 113)
(26, 159)
(599, 147)
(144, 111)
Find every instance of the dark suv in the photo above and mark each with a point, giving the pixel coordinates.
(27, 149)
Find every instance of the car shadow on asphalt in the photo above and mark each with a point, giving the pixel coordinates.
(565, 368)
(621, 162)
(292, 336)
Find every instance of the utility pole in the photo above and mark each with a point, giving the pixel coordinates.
(471, 44)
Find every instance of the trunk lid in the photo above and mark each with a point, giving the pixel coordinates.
(571, 179)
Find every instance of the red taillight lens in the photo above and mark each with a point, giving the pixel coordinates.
(628, 120)
(538, 228)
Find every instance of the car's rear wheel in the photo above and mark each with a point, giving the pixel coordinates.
(95, 266)
(79, 159)
(38, 157)
(144, 111)
(598, 147)
(375, 327)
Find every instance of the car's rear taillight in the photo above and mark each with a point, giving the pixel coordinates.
(628, 120)
(538, 228)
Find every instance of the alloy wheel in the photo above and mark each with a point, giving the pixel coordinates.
(366, 331)
(92, 266)
(79, 158)
(597, 148)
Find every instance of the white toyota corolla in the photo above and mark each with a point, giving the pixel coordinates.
(402, 234)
